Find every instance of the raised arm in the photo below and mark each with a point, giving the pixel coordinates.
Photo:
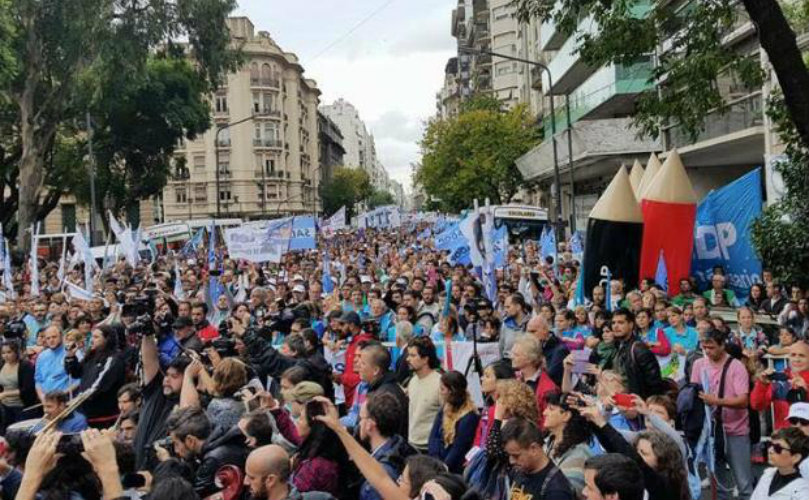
(150, 358)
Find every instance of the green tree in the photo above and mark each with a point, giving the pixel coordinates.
(379, 199)
(347, 187)
(473, 155)
(67, 56)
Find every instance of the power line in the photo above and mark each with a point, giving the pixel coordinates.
(354, 28)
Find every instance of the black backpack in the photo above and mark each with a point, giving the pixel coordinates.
(690, 412)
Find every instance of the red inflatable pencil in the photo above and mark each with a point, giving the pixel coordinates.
(669, 207)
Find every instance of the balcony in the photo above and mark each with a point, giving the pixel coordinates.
(269, 113)
(550, 37)
(223, 142)
(609, 92)
(267, 143)
(224, 174)
(273, 83)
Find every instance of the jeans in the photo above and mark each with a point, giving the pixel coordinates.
(737, 468)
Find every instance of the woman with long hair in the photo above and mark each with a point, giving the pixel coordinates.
(102, 372)
(228, 377)
(568, 439)
(493, 373)
(17, 382)
(756, 297)
(454, 427)
(316, 465)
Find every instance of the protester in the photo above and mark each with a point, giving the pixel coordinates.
(782, 481)
(423, 391)
(453, 431)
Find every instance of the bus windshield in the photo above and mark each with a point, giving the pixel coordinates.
(523, 222)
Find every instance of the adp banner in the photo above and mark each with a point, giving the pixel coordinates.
(722, 234)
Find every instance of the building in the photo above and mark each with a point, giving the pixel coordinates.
(265, 138)
(332, 152)
(397, 190)
(506, 74)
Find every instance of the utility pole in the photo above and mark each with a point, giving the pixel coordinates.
(219, 129)
(92, 159)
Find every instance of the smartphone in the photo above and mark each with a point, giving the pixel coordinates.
(133, 480)
(624, 400)
(581, 362)
(314, 408)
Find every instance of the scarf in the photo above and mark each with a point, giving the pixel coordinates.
(452, 416)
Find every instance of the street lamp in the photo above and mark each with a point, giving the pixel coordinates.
(556, 175)
(219, 129)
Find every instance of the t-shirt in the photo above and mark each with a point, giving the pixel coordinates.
(424, 405)
(689, 339)
(737, 382)
(153, 415)
(533, 487)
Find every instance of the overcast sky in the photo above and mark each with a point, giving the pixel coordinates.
(390, 68)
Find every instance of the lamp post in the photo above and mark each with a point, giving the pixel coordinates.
(219, 129)
(557, 177)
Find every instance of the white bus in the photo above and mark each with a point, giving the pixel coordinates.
(524, 222)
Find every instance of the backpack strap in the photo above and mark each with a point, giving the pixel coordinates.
(547, 482)
(721, 394)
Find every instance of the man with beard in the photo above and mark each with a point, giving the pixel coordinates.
(427, 313)
(160, 394)
(267, 473)
(204, 329)
(379, 421)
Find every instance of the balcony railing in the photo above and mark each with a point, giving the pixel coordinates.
(267, 143)
(265, 82)
(736, 116)
(223, 143)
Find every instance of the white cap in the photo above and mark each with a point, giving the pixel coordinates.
(799, 410)
(365, 279)
(297, 277)
(299, 289)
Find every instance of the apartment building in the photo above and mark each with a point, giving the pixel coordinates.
(332, 151)
(261, 156)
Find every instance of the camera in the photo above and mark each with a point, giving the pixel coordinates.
(70, 444)
(15, 329)
(224, 346)
(165, 443)
(141, 308)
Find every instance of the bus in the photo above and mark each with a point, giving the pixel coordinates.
(524, 222)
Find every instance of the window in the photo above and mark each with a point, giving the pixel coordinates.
(266, 74)
(69, 217)
(269, 102)
(200, 193)
(224, 165)
(224, 137)
(224, 195)
(256, 102)
(254, 74)
(221, 104)
(181, 195)
(269, 165)
(199, 162)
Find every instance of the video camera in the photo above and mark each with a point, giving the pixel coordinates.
(140, 309)
(15, 329)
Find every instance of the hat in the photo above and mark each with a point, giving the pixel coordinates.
(351, 318)
(297, 277)
(303, 392)
(799, 410)
(401, 281)
(182, 322)
(365, 279)
(299, 289)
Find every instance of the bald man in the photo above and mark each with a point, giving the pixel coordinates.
(553, 349)
(266, 473)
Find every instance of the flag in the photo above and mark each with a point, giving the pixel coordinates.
(241, 295)
(179, 293)
(109, 259)
(212, 247)
(328, 283)
(77, 292)
(548, 243)
(661, 275)
(125, 240)
(115, 226)
(576, 247)
(83, 249)
(190, 247)
(34, 264)
(152, 249)
(137, 238)
(579, 298)
(607, 284)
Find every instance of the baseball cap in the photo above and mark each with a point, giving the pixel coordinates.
(297, 277)
(351, 318)
(299, 289)
(303, 392)
(799, 410)
(365, 279)
(182, 322)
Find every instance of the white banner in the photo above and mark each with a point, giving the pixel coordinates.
(380, 218)
(166, 230)
(489, 352)
(252, 243)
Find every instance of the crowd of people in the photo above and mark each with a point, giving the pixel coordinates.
(331, 375)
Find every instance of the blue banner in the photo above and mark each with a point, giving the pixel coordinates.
(500, 245)
(722, 234)
(303, 233)
(452, 239)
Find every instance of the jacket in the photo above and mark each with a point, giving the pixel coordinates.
(387, 383)
(25, 380)
(454, 454)
(226, 448)
(106, 375)
(640, 367)
(780, 394)
(392, 456)
(794, 490)
(775, 309)
(509, 331)
(555, 353)
(294, 494)
(351, 378)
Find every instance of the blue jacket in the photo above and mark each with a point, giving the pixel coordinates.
(50, 374)
(392, 456)
(454, 454)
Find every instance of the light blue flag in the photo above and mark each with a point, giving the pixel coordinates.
(500, 245)
(548, 244)
(190, 247)
(212, 247)
(579, 298)
(328, 283)
(303, 233)
(179, 293)
(662, 274)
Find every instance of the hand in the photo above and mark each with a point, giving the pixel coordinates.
(330, 418)
(799, 382)
(640, 405)
(194, 368)
(593, 414)
(161, 453)
(267, 401)
(43, 457)
(764, 376)
(435, 490)
(710, 399)
(214, 356)
(98, 450)
(568, 362)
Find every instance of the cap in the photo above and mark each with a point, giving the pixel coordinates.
(299, 289)
(799, 410)
(303, 392)
(351, 318)
(365, 279)
(297, 277)
(182, 322)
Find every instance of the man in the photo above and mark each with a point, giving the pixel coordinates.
(612, 477)
(35, 322)
(385, 319)
(775, 303)
(128, 426)
(701, 309)
(129, 398)
(184, 338)
(160, 394)
(780, 390)
(686, 295)
(514, 324)
(53, 404)
(536, 476)
(379, 421)
(205, 331)
(192, 439)
(50, 374)
(553, 349)
(374, 368)
(727, 398)
(267, 473)
(352, 334)
(423, 391)
(634, 361)
(718, 296)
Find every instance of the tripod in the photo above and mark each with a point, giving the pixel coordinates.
(475, 361)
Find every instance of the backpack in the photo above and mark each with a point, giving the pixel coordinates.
(690, 412)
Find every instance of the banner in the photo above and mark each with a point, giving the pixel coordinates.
(334, 223)
(380, 218)
(722, 234)
(453, 240)
(256, 244)
(303, 233)
(500, 245)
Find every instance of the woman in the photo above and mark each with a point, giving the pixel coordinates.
(568, 439)
(493, 373)
(756, 297)
(229, 376)
(583, 325)
(316, 466)
(683, 338)
(527, 359)
(749, 336)
(17, 382)
(566, 331)
(454, 427)
(103, 371)
(782, 481)
(655, 338)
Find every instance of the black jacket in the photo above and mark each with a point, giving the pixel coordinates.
(104, 401)
(555, 353)
(640, 367)
(25, 380)
(387, 383)
(226, 448)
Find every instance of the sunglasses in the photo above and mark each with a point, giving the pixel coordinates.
(778, 449)
(802, 422)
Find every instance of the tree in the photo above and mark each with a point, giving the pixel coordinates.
(631, 29)
(379, 199)
(473, 155)
(347, 187)
(64, 51)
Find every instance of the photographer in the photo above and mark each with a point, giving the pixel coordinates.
(184, 339)
(102, 372)
(193, 441)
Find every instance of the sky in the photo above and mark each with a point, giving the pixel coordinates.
(390, 67)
